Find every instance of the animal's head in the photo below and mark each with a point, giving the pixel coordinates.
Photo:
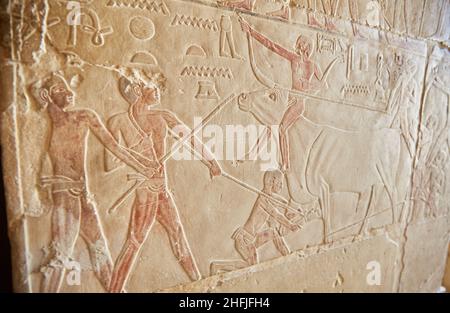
(264, 99)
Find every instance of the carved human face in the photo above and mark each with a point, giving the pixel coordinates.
(277, 184)
(303, 46)
(150, 95)
(61, 95)
(440, 159)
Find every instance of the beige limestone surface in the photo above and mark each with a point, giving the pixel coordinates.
(226, 146)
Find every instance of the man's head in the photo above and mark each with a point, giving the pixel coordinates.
(440, 159)
(304, 46)
(55, 90)
(411, 67)
(139, 87)
(273, 181)
(431, 122)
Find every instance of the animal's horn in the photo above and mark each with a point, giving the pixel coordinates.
(258, 74)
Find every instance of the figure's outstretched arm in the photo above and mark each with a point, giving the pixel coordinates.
(278, 49)
(107, 139)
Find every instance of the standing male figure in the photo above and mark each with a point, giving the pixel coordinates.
(404, 95)
(74, 212)
(145, 129)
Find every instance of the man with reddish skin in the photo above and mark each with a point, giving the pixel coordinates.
(144, 130)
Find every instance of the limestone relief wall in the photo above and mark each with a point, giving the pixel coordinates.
(219, 146)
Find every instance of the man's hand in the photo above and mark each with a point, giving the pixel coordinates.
(215, 169)
(153, 168)
(294, 227)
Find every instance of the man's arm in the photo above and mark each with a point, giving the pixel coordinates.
(111, 162)
(281, 51)
(107, 139)
(44, 190)
(273, 211)
(196, 144)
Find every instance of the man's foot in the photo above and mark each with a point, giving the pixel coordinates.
(244, 4)
(283, 13)
(190, 267)
(215, 269)
(312, 21)
(329, 25)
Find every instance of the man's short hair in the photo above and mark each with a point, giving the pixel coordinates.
(270, 175)
(52, 80)
(139, 77)
(46, 83)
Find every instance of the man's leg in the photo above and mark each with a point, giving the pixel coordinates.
(142, 218)
(93, 235)
(272, 235)
(280, 244)
(246, 249)
(168, 217)
(65, 229)
(291, 115)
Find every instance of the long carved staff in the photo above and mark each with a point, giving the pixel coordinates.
(169, 154)
(280, 200)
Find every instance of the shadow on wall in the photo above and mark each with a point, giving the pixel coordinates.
(5, 249)
(446, 280)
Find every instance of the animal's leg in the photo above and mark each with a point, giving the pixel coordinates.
(324, 201)
(370, 204)
(363, 200)
(281, 245)
(391, 192)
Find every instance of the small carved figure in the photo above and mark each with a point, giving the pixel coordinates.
(73, 211)
(436, 184)
(268, 221)
(226, 36)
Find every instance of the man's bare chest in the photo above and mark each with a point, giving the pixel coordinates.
(135, 130)
(302, 70)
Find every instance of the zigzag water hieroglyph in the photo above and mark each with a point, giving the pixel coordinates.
(199, 22)
(355, 89)
(151, 5)
(206, 71)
